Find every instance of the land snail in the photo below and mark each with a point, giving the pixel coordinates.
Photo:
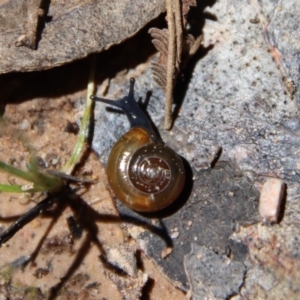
(143, 173)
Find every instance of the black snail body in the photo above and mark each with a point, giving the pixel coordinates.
(142, 172)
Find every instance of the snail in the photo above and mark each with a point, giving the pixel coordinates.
(144, 173)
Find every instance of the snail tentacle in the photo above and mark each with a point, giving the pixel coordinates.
(136, 116)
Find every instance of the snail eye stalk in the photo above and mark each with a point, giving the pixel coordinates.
(137, 118)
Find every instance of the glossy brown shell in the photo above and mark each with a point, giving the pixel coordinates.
(145, 176)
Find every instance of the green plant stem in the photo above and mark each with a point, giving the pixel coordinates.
(85, 122)
(11, 188)
(40, 181)
(17, 172)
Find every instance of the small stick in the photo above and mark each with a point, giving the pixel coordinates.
(170, 65)
(178, 31)
(28, 217)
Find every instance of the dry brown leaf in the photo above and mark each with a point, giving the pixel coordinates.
(174, 51)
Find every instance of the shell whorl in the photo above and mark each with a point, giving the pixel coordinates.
(145, 176)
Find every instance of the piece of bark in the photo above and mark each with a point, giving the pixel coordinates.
(74, 30)
(31, 34)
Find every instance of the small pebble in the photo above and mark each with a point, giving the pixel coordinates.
(175, 235)
(166, 252)
(270, 200)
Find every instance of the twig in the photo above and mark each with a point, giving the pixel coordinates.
(178, 31)
(170, 65)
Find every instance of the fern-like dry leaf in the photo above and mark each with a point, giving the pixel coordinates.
(185, 8)
(159, 68)
(174, 47)
(160, 41)
(159, 73)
